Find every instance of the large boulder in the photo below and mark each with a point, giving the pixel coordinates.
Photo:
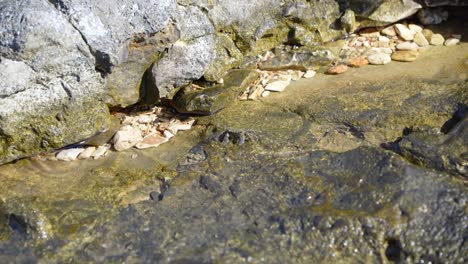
(49, 90)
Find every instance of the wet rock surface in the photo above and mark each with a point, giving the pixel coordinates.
(357, 167)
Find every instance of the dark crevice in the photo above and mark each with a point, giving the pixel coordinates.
(394, 251)
(458, 116)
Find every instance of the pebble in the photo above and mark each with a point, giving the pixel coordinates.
(415, 28)
(178, 125)
(407, 46)
(69, 154)
(296, 75)
(151, 141)
(405, 55)
(404, 32)
(378, 50)
(265, 93)
(337, 69)
(369, 32)
(437, 40)
(257, 91)
(451, 42)
(379, 58)
(309, 74)
(420, 39)
(358, 62)
(389, 31)
(279, 83)
(146, 119)
(86, 154)
(427, 33)
(134, 156)
(126, 138)
(100, 151)
(168, 134)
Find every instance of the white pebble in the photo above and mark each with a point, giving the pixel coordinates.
(69, 154)
(86, 154)
(451, 42)
(379, 58)
(404, 32)
(309, 74)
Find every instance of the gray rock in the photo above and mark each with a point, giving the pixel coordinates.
(184, 62)
(54, 97)
(432, 16)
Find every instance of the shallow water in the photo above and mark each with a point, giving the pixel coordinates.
(310, 181)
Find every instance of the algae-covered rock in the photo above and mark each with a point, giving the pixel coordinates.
(207, 101)
(227, 56)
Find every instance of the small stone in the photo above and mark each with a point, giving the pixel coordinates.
(100, 151)
(168, 134)
(86, 154)
(134, 156)
(405, 55)
(309, 74)
(257, 92)
(389, 31)
(126, 138)
(296, 75)
(415, 28)
(366, 44)
(407, 46)
(146, 119)
(457, 36)
(451, 42)
(279, 83)
(427, 33)
(437, 40)
(128, 120)
(265, 93)
(369, 32)
(69, 154)
(404, 32)
(151, 141)
(337, 69)
(378, 50)
(379, 58)
(177, 125)
(420, 40)
(358, 62)
(383, 39)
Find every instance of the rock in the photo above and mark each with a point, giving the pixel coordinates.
(451, 42)
(427, 34)
(279, 83)
(420, 40)
(100, 152)
(55, 97)
(266, 93)
(415, 28)
(405, 55)
(437, 40)
(358, 62)
(146, 119)
(404, 32)
(378, 50)
(183, 63)
(87, 153)
(432, 16)
(337, 69)
(348, 21)
(168, 134)
(370, 33)
(69, 154)
(177, 125)
(257, 92)
(151, 141)
(389, 31)
(379, 58)
(296, 75)
(388, 12)
(309, 74)
(457, 36)
(126, 138)
(105, 136)
(407, 46)
(210, 100)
